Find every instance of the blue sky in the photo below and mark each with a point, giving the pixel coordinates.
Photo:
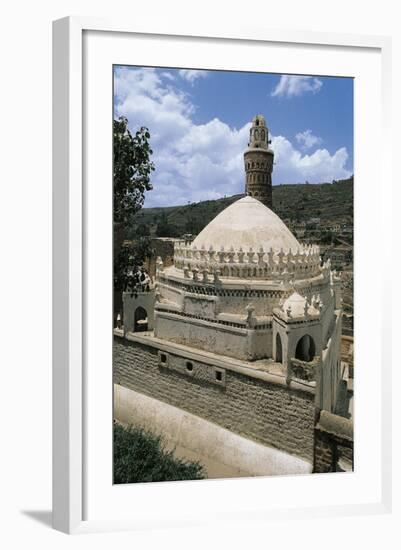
(199, 124)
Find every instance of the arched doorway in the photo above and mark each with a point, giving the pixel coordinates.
(305, 350)
(141, 320)
(279, 349)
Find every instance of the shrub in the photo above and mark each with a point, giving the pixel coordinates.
(140, 456)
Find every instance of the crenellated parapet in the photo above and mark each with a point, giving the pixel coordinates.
(202, 264)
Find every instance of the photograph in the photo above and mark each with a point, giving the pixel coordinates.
(233, 216)
(209, 206)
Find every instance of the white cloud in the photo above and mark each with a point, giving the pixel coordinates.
(293, 86)
(146, 100)
(291, 166)
(204, 161)
(192, 74)
(168, 75)
(307, 140)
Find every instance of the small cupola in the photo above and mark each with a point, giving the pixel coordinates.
(259, 133)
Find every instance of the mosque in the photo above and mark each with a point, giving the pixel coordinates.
(242, 333)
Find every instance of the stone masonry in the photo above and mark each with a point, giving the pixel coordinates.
(271, 414)
(333, 443)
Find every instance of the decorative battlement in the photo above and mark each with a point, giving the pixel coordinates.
(209, 265)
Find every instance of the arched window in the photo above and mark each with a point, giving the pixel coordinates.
(262, 135)
(305, 350)
(141, 320)
(279, 349)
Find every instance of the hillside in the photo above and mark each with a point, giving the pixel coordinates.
(327, 201)
(331, 202)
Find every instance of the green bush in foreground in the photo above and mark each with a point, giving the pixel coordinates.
(139, 456)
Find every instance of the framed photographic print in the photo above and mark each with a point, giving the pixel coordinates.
(213, 242)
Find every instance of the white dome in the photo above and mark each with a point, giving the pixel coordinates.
(296, 304)
(247, 223)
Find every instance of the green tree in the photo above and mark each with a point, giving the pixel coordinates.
(132, 168)
(142, 230)
(165, 228)
(327, 237)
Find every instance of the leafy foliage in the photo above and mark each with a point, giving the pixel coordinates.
(132, 168)
(142, 231)
(139, 456)
(127, 262)
(164, 229)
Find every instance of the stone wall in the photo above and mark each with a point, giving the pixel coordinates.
(334, 444)
(202, 335)
(269, 413)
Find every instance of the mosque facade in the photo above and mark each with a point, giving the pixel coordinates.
(244, 329)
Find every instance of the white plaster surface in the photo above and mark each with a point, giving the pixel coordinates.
(223, 453)
(247, 223)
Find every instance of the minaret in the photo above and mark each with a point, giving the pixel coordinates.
(258, 160)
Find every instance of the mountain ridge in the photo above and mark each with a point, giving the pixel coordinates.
(330, 202)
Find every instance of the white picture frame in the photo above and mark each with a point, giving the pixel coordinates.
(70, 285)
